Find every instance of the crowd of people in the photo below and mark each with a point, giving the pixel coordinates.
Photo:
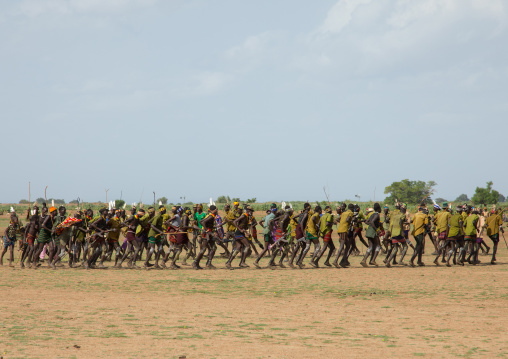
(167, 237)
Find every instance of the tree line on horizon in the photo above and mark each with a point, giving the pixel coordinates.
(406, 191)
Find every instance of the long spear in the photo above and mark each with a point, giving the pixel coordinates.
(502, 233)
(29, 202)
(46, 198)
(326, 194)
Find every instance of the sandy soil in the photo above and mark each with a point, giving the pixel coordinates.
(249, 313)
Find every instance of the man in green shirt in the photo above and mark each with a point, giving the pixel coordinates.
(155, 238)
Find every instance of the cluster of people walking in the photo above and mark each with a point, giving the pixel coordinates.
(170, 237)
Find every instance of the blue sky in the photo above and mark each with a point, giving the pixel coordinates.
(265, 99)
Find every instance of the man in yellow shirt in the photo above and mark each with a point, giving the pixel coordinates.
(442, 227)
(493, 226)
(345, 221)
(325, 232)
(420, 220)
(312, 235)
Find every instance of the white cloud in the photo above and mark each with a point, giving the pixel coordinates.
(340, 15)
(208, 83)
(253, 45)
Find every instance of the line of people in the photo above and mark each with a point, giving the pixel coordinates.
(287, 236)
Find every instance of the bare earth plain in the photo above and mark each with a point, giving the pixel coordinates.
(399, 312)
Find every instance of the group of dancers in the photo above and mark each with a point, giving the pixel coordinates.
(89, 240)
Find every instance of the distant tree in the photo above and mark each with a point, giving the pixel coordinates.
(40, 200)
(235, 200)
(163, 200)
(23, 201)
(501, 198)
(462, 198)
(222, 199)
(411, 192)
(74, 201)
(485, 195)
(251, 200)
(119, 203)
(441, 200)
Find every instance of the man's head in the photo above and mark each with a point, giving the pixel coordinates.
(235, 205)
(62, 210)
(53, 211)
(141, 212)
(318, 209)
(227, 207)
(351, 207)
(200, 208)
(459, 209)
(103, 211)
(328, 209)
(89, 213)
(306, 206)
(213, 209)
(162, 209)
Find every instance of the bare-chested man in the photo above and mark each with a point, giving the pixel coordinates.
(45, 237)
(242, 243)
(31, 232)
(133, 245)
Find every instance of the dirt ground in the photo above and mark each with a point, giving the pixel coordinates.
(249, 313)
